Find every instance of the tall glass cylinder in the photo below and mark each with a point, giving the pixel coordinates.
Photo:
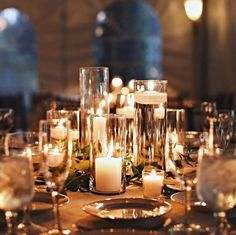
(94, 91)
(107, 153)
(150, 98)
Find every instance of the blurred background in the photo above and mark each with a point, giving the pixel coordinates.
(43, 43)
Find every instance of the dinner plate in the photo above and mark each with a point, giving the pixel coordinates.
(42, 202)
(173, 184)
(194, 201)
(118, 231)
(127, 208)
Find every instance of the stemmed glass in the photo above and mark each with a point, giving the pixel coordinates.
(217, 165)
(16, 187)
(182, 163)
(23, 144)
(6, 123)
(226, 124)
(54, 143)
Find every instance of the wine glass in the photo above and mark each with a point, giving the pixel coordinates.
(54, 143)
(74, 134)
(182, 163)
(208, 109)
(215, 166)
(6, 123)
(16, 187)
(23, 144)
(226, 125)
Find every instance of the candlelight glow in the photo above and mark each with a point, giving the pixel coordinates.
(193, 9)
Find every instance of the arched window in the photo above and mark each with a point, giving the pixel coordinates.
(18, 54)
(18, 64)
(127, 38)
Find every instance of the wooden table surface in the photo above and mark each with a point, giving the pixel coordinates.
(72, 213)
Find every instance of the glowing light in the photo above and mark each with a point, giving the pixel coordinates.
(11, 15)
(101, 16)
(3, 24)
(117, 82)
(99, 31)
(131, 84)
(193, 9)
(151, 86)
(124, 91)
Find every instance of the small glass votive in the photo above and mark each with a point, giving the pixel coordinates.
(153, 181)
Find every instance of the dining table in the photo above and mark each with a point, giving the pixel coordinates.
(74, 217)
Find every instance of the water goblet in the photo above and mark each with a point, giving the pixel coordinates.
(54, 144)
(21, 144)
(16, 187)
(216, 165)
(226, 126)
(182, 157)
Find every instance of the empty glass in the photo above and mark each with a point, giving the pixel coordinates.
(216, 184)
(16, 187)
(23, 144)
(54, 143)
(181, 159)
(226, 120)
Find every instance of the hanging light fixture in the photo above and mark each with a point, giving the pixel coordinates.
(193, 9)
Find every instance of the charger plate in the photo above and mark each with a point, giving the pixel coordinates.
(127, 208)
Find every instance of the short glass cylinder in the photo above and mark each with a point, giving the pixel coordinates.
(107, 154)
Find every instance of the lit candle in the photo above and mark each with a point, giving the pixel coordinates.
(152, 183)
(99, 129)
(59, 132)
(108, 174)
(54, 157)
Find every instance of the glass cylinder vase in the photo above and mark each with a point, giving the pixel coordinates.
(94, 92)
(107, 154)
(150, 98)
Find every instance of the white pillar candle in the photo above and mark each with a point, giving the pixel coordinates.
(99, 129)
(59, 132)
(108, 174)
(152, 183)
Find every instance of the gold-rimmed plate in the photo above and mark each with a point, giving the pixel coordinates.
(127, 208)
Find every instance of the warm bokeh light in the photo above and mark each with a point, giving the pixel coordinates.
(116, 84)
(193, 9)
